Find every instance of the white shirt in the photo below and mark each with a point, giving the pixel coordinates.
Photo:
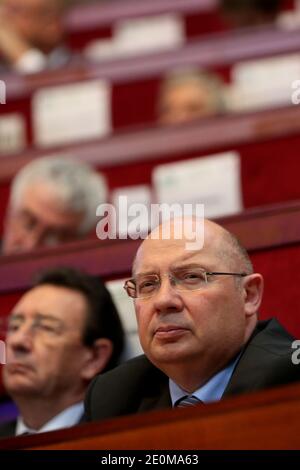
(67, 418)
(34, 61)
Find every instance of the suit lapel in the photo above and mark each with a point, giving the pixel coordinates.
(158, 400)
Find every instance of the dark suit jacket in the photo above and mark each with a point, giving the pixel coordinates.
(8, 429)
(138, 386)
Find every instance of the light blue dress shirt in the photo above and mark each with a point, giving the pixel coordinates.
(67, 418)
(211, 390)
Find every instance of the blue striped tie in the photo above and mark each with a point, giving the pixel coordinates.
(186, 401)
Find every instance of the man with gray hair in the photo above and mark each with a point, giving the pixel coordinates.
(52, 200)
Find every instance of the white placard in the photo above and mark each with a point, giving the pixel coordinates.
(135, 196)
(149, 34)
(125, 308)
(124, 304)
(71, 113)
(12, 133)
(139, 35)
(213, 181)
(260, 83)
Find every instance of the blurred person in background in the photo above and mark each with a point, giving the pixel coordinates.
(60, 334)
(188, 95)
(32, 35)
(243, 13)
(52, 200)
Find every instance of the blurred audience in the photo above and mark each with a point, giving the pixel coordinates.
(243, 13)
(188, 95)
(52, 200)
(32, 35)
(61, 333)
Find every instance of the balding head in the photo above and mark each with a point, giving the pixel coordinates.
(193, 317)
(202, 233)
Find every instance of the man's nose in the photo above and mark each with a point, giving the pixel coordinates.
(167, 298)
(21, 339)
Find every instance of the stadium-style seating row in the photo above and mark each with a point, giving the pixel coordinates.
(128, 87)
(86, 22)
(267, 142)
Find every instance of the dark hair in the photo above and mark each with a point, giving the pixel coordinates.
(103, 320)
(264, 6)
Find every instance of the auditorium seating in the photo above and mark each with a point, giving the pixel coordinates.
(86, 22)
(267, 142)
(89, 22)
(131, 84)
(130, 147)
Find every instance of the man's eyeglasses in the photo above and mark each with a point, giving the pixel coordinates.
(145, 286)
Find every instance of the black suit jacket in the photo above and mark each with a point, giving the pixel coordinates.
(8, 429)
(138, 386)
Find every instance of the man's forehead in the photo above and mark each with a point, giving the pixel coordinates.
(172, 250)
(170, 255)
(50, 299)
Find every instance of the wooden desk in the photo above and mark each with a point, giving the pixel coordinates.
(265, 420)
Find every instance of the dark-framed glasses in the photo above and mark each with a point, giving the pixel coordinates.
(147, 285)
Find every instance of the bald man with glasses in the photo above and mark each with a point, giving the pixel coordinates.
(197, 316)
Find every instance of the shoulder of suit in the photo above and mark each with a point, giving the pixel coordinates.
(8, 429)
(272, 336)
(133, 370)
(269, 349)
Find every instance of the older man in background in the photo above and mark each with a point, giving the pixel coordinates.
(52, 200)
(32, 35)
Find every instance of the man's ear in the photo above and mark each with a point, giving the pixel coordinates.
(253, 286)
(97, 359)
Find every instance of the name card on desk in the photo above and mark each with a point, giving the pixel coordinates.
(71, 113)
(12, 133)
(263, 82)
(213, 181)
(126, 310)
(149, 34)
(140, 35)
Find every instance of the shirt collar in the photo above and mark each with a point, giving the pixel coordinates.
(67, 418)
(211, 391)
